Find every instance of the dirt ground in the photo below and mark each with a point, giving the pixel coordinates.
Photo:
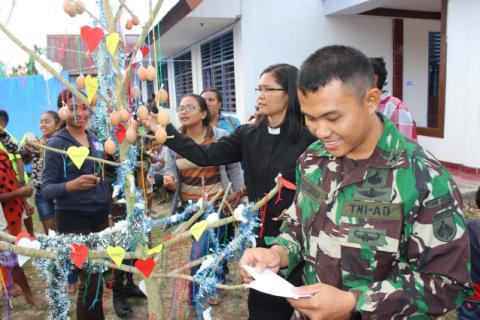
(232, 306)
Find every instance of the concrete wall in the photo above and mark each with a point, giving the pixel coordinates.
(288, 31)
(273, 31)
(415, 66)
(461, 142)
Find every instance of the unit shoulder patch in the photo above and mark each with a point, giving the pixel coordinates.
(444, 227)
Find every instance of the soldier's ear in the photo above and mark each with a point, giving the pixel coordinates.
(372, 99)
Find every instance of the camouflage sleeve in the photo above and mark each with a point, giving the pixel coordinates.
(433, 266)
(8, 143)
(290, 237)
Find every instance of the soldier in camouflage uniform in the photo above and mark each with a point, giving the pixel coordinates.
(376, 219)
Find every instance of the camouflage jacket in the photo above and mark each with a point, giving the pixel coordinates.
(389, 228)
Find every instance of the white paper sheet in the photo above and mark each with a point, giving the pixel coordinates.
(271, 283)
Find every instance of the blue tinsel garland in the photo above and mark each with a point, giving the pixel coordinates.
(207, 274)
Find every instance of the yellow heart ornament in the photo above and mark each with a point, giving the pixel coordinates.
(91, 84)
(112, 42)
(156, 249)
(198, 229)
(78, 155)
(116, 254)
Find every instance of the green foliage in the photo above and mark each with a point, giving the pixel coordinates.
(2, 70)
(26, 69)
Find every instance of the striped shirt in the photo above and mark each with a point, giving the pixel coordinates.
(191, 175)
(398, 112)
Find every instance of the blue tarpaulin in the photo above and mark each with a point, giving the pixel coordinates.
(25, 99)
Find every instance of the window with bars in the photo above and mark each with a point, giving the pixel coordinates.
(434, 43)
(182, 66)
(218, 68)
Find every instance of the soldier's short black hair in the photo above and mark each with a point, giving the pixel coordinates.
(477, 198)
(343, 63)
(4, 116)
(380, 70)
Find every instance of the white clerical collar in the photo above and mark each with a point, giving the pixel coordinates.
(274, 131)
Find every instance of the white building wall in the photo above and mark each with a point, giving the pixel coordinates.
(287, 31)
(197, 68)
(172, 93)
(274, 31)
(415, 66)
(461, 143)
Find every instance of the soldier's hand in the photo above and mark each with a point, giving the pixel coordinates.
(84, 182)
(326, 302)
(261, 259)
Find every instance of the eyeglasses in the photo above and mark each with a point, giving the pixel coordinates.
(267, 90)
(187, 108)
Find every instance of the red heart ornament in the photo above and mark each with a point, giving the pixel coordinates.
(145, 50)
(91, 36)
(120, 133)
(145, 266)
(79, 254)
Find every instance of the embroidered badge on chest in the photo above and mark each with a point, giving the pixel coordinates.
(312, 191)
(367, 193)
(372, 210)
(441, 202)
(444, 226)
(376, 178)
(366, 236)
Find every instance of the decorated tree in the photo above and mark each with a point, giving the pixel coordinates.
(114, 96)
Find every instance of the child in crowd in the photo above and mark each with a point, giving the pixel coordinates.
(18, 166)
(157, 156)
(12, 200)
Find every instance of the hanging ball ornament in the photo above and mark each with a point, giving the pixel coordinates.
(131, 135)
(135, 92)
(69, 8)
(142, 73)
(161, 135)
(124, 115)
(115, 118)
(162, 117)
(109, 146)
(129, 24)
(142, 113)
(133, 123)
(64, 113)
(80, 81)
(151, 73)
(161, 96)
(79, 6)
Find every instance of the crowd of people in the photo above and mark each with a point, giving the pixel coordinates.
(374, 230)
